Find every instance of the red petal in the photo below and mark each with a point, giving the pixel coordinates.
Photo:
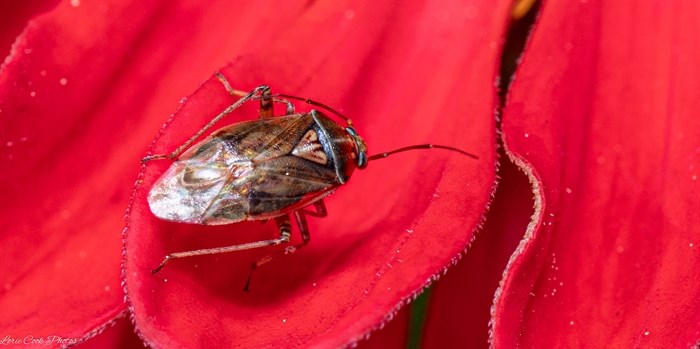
(604, 110)
(118, 335)
(402, 74)
(80, 98)
(468, 289)
(393, 334)
(14, 16)
(61, 198)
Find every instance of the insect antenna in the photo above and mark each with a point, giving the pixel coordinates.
(420, 146)
(315, 104)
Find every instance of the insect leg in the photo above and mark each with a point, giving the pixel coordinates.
(267, 109)
(320, 207)
(290, 107)
(300, 216)
(250, 95)
(265, 98)
(316, 104)
(227, 86)
(285, 232)
(289, 110)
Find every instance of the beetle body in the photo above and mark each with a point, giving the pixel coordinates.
(257, 170)
(274, 167)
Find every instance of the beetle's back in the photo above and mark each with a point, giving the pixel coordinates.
(254, 170)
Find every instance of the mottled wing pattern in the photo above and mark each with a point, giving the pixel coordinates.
(291, 129)
(279, 166)
(289, 181)
(265, 138)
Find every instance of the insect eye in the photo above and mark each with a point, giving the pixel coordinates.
(362, 160)
(202, 176)
(360, 147)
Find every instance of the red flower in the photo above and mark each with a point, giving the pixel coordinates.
(601, 116)
(609, 130)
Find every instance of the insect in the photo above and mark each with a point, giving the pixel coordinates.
(272, 168)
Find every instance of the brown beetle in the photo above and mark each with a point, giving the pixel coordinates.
(270, 168)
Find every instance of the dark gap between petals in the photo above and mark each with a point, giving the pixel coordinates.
(416, 326)
(517, 35)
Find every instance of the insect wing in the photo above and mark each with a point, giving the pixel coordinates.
(185, 191)
(262, 139)
(290, 170)
(289, 183)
